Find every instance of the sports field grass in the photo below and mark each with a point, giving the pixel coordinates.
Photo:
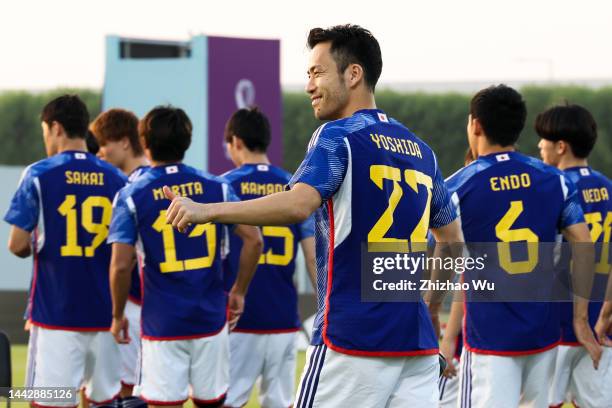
(18, 358)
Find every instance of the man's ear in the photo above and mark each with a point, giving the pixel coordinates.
(561, 147)
(125, 143)
(237, 142)
(354, 74)
(56, 129)
(477, 126)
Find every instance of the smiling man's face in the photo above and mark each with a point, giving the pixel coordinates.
(329, 93)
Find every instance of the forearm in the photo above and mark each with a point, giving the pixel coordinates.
(249, 257)
(120, 279)
(453, 327)
(275, 209)
(582, 278)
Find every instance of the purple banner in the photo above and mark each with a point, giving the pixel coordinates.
(241, 73)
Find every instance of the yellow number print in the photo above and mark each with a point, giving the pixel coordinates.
(99, 229)
(171, 264)
(507, 235)
(283, 259)
(597, 229)
(413, 178)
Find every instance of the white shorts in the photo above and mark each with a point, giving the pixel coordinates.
(131, 352)
(173, 368)
(332, 379)
(271, 356)
(449, 388)
(505, 381)
(575, 379)
(61, 358)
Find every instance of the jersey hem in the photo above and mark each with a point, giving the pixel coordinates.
(68, 328)
(511, 353)
(188, 337)
(570, 343)
(372, 353)
(271, 331)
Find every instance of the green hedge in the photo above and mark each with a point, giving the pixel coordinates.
(439, 119)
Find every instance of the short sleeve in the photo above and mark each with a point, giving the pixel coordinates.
(325, 163)
(25, 206)
(443, 210)
(307, 228)
(572, 210)
(123, 227)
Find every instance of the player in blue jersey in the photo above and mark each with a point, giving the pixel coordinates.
(568, 134)
(509, 348)
(264, 343)
(60, 214)
(116, 131)
(184, 305)
(369, 180)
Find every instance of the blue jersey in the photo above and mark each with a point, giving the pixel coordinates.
(65, 201)
(378, 183)
(594, 193)
(183, 294)
(272, 287)
(135, 287)
(526, 200)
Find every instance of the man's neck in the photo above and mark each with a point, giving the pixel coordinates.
(571, 161)
(76, 144)
(133, 163)
(486, 149)
(254, 158)
(363, 100)
(163, 163)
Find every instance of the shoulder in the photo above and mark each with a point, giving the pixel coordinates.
(539, 165)
(236, 174)
(138, 184)
(605, 180)
(465, 174)
(211, 178)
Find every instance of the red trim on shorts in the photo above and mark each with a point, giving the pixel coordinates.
(326, 340)
(274, 331)
(76, 329)
(190, 337)
(127, 384)
(105, 401)
(210, 401)
(570, 343)
(150, 401)
(556, 406)
(36, 404)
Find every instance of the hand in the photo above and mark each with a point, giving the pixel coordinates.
(448, 349)
(603, 329)
(585, 336)
(183, 211)
(119, 329)
(236, 307)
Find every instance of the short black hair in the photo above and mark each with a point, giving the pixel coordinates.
(351, 44)
(166, 132)
(92, 144)
(70, 112)
(501, 112)
(251, 126)
(573, 124)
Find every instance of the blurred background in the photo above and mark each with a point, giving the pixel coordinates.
(435, 54)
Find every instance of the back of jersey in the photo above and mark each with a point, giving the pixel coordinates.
(594, 195)
(183, 293)
(272, 287)
(381, 186)
(509, 197)
(68, 199)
